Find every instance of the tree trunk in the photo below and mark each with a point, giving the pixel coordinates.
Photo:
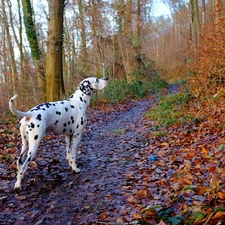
(84, 53)
(11, 50)
(33, 41)
(195, 21)
(54, 71)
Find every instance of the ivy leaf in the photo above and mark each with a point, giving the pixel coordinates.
(174, 220)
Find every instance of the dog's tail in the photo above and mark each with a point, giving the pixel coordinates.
(15, 111)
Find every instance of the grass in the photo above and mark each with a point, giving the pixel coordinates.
(172, 109)
(120, 91)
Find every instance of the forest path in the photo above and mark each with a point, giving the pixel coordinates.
(113, 157)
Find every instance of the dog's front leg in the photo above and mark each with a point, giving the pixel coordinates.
(72, 159)
(69, 143)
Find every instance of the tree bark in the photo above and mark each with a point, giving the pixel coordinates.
(54, 66)
(84, 53)
(33, 41)
(195, 21)
(11, 50)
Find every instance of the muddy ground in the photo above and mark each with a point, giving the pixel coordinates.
(114, 151)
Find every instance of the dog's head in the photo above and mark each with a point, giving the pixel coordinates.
(92, 84)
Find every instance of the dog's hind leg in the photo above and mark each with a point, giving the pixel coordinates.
(23, 152)
(33, 147)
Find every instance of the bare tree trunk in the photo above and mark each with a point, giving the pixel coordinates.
(11, 49)
(20, 46)
(203, 12)
(195, 21)
(33, 41)
(54, 71)
(84, 53)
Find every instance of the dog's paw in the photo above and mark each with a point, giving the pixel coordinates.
(74, 168)
(77, 170)
(17, 186)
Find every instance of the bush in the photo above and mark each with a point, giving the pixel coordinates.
(119, 91)
(171, 110)
(207, 68)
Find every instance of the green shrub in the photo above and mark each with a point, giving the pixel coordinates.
(171, 110)
(119, 91)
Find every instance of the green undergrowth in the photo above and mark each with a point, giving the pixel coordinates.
(120, 91)
(172, 109)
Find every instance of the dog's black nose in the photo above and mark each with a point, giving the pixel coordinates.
(105, 78)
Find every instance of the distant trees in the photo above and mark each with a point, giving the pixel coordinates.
(120, 37)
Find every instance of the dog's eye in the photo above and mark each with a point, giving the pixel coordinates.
(97, 80)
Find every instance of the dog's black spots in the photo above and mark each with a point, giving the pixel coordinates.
(21, 173)
(85, 101)
(38, 125)
(35, 137)
(66, 109)
(64, 124)
(48, 104)
(20, 125)
(20, 161)
(58, 113)
(43, 109)
(29, 159)
(72, 120)
(62, 102)
(72, 106)
(56, 122)
(71, 131)
(64, 130)
(71, 96)
(82, 121)
(32, 125)
(69, 123)
(53, 104)
(77, 126)
(26, 132)
(38, 117)
(85, 87)
(79, 107)
(30, 130)
(81, 99)
(29, 153)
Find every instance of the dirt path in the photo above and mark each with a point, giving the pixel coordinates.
(53, 194)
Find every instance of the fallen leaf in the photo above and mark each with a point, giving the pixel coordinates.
(219, 215)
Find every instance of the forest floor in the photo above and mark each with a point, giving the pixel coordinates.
(120, 180)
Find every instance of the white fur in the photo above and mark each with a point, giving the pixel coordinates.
(62, 117)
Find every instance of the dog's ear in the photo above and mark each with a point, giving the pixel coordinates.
(85, 87)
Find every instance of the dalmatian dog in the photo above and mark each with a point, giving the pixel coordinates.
(66, 117)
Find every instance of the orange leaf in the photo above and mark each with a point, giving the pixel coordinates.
(137, 216)
(143, 194)
(221, 195)
(187, 181)
(165, 144)
(212, 168)
(219, 215)
(33, 165)
(204, 150)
